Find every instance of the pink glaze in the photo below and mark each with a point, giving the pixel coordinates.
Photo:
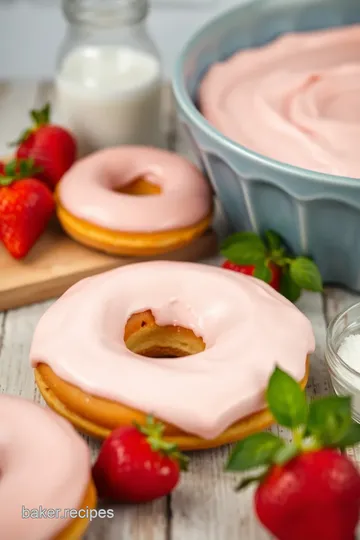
(296, 100)
(247, 326)
(87, 190)
(43, 462)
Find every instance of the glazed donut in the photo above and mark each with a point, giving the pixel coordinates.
(134, 201)
(191, 344)
(44, 465)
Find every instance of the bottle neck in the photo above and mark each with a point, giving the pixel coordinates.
(105, 13)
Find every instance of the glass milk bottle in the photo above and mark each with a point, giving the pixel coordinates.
(108, 79)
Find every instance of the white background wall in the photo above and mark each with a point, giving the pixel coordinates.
(31, 32)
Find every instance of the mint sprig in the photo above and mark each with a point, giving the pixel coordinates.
(254, 451)
(305, 274)
(330, 419)
(288, 287)
(273, 240)
(323, 423)
(297, 273)
(244, 248)
(286, 401)
(263, 272)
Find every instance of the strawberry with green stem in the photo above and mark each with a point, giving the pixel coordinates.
(307, 489)
(136, 464)
(52, 147)
(269, 259)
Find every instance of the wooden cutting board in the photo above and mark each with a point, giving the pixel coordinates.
(56, 262)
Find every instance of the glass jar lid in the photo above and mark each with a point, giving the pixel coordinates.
(105, 12)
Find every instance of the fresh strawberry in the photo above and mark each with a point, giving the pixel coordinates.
(269, 259)
(136, 465)
(26, 205)
(250, 270)
(308, 489)
(52, 147)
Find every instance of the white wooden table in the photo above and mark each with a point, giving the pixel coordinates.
(204, 506)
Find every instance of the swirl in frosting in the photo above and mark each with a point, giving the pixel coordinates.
(296, 100)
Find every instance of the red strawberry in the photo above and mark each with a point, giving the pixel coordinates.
(26, 205)
(268, 259)
(307, 488)
(52, 147)
(249, 270)
(136, 465)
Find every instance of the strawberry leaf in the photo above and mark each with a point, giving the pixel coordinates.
(42, 116)
(248, 481)
(23, 137)
(11, 167)
(273, 240)
(305, 274)
(288, 287)
(154, 431)
(286, 453)
(244, 248)
(286, 401)
(351, 437)
(6, 180)
(263, 272)
(254, 451)
(330, 419)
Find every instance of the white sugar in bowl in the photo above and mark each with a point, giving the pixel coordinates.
(343, 355)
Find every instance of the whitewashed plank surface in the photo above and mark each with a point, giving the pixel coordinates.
(204, 506)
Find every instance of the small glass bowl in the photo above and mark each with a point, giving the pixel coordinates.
(345, 379)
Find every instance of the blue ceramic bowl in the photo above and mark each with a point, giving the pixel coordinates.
(317, 214)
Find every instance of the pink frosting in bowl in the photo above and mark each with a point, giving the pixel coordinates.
(295, 100)
(248, 328)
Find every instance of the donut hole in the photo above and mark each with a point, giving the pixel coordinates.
(144, 337)
(140, 186)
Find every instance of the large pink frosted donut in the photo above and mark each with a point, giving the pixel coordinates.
(247, 326)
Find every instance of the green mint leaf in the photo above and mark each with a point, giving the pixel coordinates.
(288, 287)
(273, 240)
(263, 272)
(285, 454)
(244, 248)
(286, 401)
(305, 274)
(351, 437)
(248, 481)
(254, 451)
(330, 419)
